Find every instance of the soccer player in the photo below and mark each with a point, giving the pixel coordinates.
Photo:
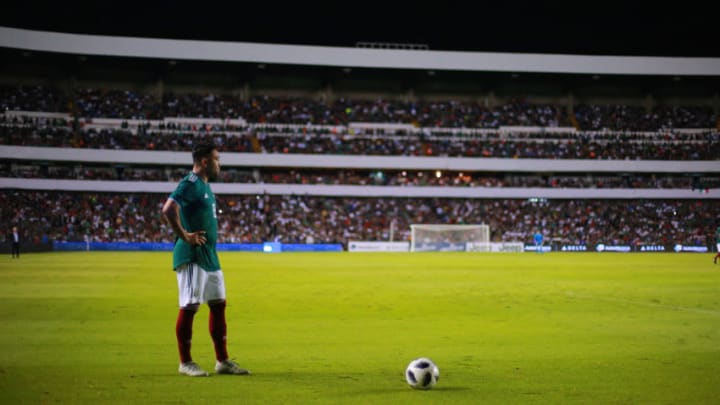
(538, 237)
(191, 212)
(717, 244)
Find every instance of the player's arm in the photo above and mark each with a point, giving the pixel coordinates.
(171, 213)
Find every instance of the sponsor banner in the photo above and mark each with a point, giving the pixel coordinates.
(501, 247)
(651, 248)
(533, 248)
(440, 247)
(574, 248)
(315, 247)
(367, 246)
(272, 247)
(113, 246)
(694, 249)
(239, 247)
(495, 247)
(221, 247)
(601, 247)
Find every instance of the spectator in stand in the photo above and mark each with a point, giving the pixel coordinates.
(68, 216)
(657, 146)
(119, 103)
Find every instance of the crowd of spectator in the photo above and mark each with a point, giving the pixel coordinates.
(127, 104)
(634, 118)
(93, 103)
(70, 216)
(33, 98)
(64, 136)
(582, 145)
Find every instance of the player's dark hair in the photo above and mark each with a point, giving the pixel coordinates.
(202, 150)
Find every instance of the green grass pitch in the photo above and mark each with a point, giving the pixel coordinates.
(341, 327)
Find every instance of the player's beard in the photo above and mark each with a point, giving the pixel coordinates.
(213, 173)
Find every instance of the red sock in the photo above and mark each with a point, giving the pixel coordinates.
(218, 330)
(183, 332)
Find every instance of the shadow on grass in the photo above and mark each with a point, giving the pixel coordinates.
(402, 389)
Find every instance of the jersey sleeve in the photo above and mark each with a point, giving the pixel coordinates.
(183, 194)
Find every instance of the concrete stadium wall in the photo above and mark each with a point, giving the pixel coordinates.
(362, 191)
(352, 57)
(362, 162)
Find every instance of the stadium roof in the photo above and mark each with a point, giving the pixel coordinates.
(352, 57)
(585, 28)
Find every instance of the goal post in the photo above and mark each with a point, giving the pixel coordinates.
(460, 238)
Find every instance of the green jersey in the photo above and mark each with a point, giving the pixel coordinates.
(197, 213)
(717, 235)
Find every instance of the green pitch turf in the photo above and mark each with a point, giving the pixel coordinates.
(341, 327)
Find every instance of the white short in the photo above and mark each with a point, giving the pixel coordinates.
(718, 247)
(197, 286)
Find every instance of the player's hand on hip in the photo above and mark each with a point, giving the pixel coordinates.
(196, 238)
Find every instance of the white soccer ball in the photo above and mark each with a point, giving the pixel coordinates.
(422, 374)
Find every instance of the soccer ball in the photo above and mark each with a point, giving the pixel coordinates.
(422, 374)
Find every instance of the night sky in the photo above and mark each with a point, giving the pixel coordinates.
(686, 28)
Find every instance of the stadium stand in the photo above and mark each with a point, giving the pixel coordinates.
(121, 217)
(654, 158)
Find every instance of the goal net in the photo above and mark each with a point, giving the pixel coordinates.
(447, 238)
